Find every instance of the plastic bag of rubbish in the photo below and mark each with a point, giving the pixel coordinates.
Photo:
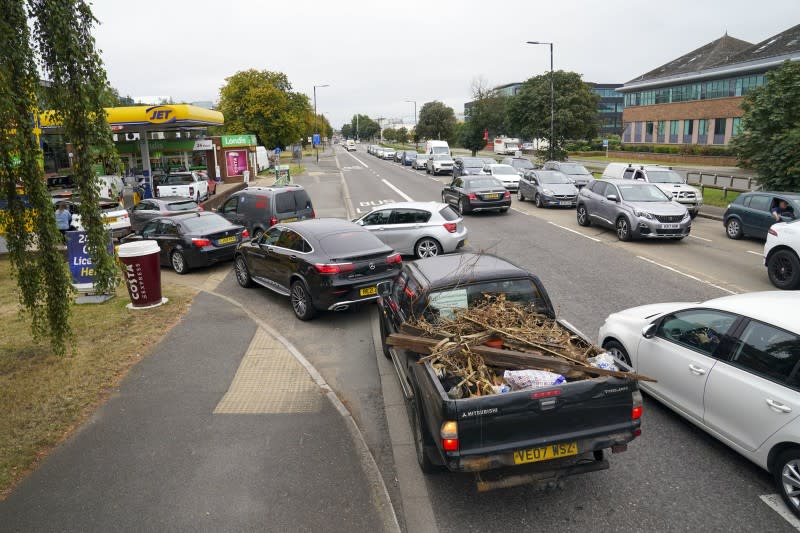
(531, 379)
(501, 389)
(605, 361)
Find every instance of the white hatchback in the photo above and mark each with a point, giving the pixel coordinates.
(782, 254)
(731, 366)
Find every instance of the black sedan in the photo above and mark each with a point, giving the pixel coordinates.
(166, 206)
(192, 240)
(475, 193)
(325, 263)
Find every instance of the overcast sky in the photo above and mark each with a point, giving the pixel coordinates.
(374, 55)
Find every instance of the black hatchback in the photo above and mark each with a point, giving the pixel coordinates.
(474, 193)
(325, 263)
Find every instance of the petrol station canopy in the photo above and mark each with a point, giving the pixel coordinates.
(151, 118)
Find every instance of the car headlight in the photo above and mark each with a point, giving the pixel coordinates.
(643, 214)
(548, 192)
(686, 215)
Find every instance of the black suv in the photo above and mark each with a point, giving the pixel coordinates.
(260, 208)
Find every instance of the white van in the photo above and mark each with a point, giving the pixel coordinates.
(262, 158)
(437, 147)
(662, 177)
(111, 187)
(506, 145)
(350, 145)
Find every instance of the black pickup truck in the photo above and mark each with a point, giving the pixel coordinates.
(531, 436)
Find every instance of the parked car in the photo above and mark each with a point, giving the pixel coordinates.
(439, 163)
(476, 193)
(422, 229)
(727, 365)
(192, 240)
(115, 217)
(664, 178)
(527, 147)
(521, 164)
(165, 206)
(388, 153)
(466, 166)
(635, 210)
(751, 213)
(409, 156)
(186, 184)
(350, 145)
(260, 208)
(506, 174)
(398, 156)
(420, 163)
(379, 151)
(782, 255)
(326, 263)
(547, 188)
(574, 171)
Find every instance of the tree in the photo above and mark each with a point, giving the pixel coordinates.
(321, 126)
(528, 113)
(390, 134)
(471, 137)
(67, 56)
(262, 102)
(436, 121)
(401, 135)
(365, 127)
(769, 138)
(348, 132)
(487, 114)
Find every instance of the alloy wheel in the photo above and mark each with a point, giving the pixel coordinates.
(623, 232)
(427, 248)
(299, 300)
(790, 481)
(178, 262)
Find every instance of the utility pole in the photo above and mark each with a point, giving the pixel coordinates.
(416, 144)
(552, 97)
(380, 129)
(316, 132)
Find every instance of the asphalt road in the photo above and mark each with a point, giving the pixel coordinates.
(673, 478)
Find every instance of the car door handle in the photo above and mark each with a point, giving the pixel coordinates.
(696, 370)
(778, 406)
(293, 258)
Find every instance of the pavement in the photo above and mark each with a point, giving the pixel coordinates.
(224, 426)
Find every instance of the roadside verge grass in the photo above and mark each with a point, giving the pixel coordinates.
(43, 397)
(714, 197)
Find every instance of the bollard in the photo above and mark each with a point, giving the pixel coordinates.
(724, 193)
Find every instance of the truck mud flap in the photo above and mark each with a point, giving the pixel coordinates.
(486, 481)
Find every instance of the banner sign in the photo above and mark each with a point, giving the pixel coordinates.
(238, 140)
(203, 144)
(80, 263)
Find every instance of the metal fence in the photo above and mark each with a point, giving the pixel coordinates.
(723, 183)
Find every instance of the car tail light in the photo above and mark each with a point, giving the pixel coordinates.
(471, 196)
(333, 268)
(273, 221)
(191, 190)
(636, 411)
(200, 207)
(201, 242)
(451, 227)
(507, 195)
(449, 435)
(394, 258)
(772, 232)
(245, 234)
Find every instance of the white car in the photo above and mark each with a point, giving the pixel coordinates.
(115, 217)
(439, 163)
(505, 173)
(782, 255)
(729, 366)
(388, 153)
(420, 163)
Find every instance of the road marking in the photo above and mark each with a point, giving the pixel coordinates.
(776, 504)
(686, 275)
(398, 191)
(357, 159)
(759, 254)
(573, 231)
(700, 238)
(519, 210)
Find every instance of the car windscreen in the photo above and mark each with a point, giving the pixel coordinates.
(482, 183)
(642, 193)
(180, 179)
(440, 150)
(473, 162)
(663, 176)
(205, 224)
(349, 243)
(522, 163)
(504, 170)
(553, 178)
(446, 302)
(186, 205)
(412, 155)
(574, 168)
(442, 157)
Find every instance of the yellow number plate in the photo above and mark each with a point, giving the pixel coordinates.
(545, 453)
(293, 219)
(492, 196)
(368, 291)
(226, 240)
(110, 220)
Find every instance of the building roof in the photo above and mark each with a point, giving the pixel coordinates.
(786, 42)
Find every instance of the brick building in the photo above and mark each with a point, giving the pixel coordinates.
(696, 98)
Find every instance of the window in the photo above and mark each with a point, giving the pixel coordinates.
(409, 216)
(702, 126)
(291, 240)
(271, 236)
(302, 200)
(688, 128)
(719, 126)
(697, 329)
(768, 351)
(231, 205)
(449, 214)
(145, 206)
(737, 125)
(628, 174)
(648, 128)
(378, 218)
(149, 229)
(284, 202)
(760, 202)
(673, 127)
(661, 126)
(598, 187)
(167, 227)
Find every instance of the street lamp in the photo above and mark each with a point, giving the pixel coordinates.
(316, 148)
(416, 144)
(552, 97)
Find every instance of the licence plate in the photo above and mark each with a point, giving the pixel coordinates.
(110, 220)
(670, 226)
(368, 291)
(545, 453)
(491, 196)
(564, 203)
(226, 240)
(293, 219)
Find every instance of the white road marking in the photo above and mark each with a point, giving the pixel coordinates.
(519, 210)
(700, 238)
(759, 254)
(357, 159)
(398, 191)
(686, 275)
(575, 232)
(776, 504)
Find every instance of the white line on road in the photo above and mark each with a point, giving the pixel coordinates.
(759, 254)
(357, 159)
(776, 504)
(398, 191)
(700, 238)
(575, 232)
(685, 274)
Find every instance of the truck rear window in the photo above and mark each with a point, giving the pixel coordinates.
(444, 303)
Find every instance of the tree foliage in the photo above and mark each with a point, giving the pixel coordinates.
(401, 135)
(487, 117)
(528, 113)
(321, 126)
(769, 139)
(365, 127)
(262, 102)
(348, 132)
(390, 134)
(436, 121)
(66, 54)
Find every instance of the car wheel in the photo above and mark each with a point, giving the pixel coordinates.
(618, 351)
(242, 274)
(462, 207)
(733, 228)
(783, 268)
(384, 334)
(623, 229)
(583, 216)
(427, 247)
(787, 478)
(421, 438)
(301, 301)
(537, 200)
(179, 262)
(520, 196)
(693, 214)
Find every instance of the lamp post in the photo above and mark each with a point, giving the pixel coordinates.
(315, 118)
(416, 144)
(552, 97)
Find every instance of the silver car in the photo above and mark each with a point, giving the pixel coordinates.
(547, 188)
(635, 210)
(574, 171)
(388, 153)
(420, 163)
(422, 229)
(505, 173)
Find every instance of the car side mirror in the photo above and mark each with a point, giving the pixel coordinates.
(384, 288)
(649, 331)
(612, 197)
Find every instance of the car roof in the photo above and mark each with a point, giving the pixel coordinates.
(428, 206)
(453, 269)
(185, 216)
(493, 165)
(618, 181)
(323, 226)
(792, 195)
(280, 188)
(777, 308)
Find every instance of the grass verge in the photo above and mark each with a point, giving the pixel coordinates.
(43, 397)
(714, 197)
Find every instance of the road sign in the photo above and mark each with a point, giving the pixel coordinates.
(605, 143)
(316, 139)
(277, 151)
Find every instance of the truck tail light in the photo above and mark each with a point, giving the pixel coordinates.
(636, 411)
(245, 234)
(449, 435)
(273, 221)
(191, 190)
(394, 258)
(201, 242)
(334, 268)
(451, 227)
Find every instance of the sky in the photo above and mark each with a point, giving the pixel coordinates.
(376, 55)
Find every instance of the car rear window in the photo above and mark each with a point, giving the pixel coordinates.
(302, 200)
(206, 224)
(348, 243)
(448, 213)
(444, 303)
(284, 202)
(483, 183)
(181, 206)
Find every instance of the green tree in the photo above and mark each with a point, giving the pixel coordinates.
(528, 113)
(66, 53)
(365, 127)
(471, 137)
(436, 121)
(348, 132)
(769, 138)
(262, 102)
(487, 115)
(390, 134)
(321, 126)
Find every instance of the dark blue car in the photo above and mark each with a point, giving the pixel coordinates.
(751, 213)
(409, 157)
